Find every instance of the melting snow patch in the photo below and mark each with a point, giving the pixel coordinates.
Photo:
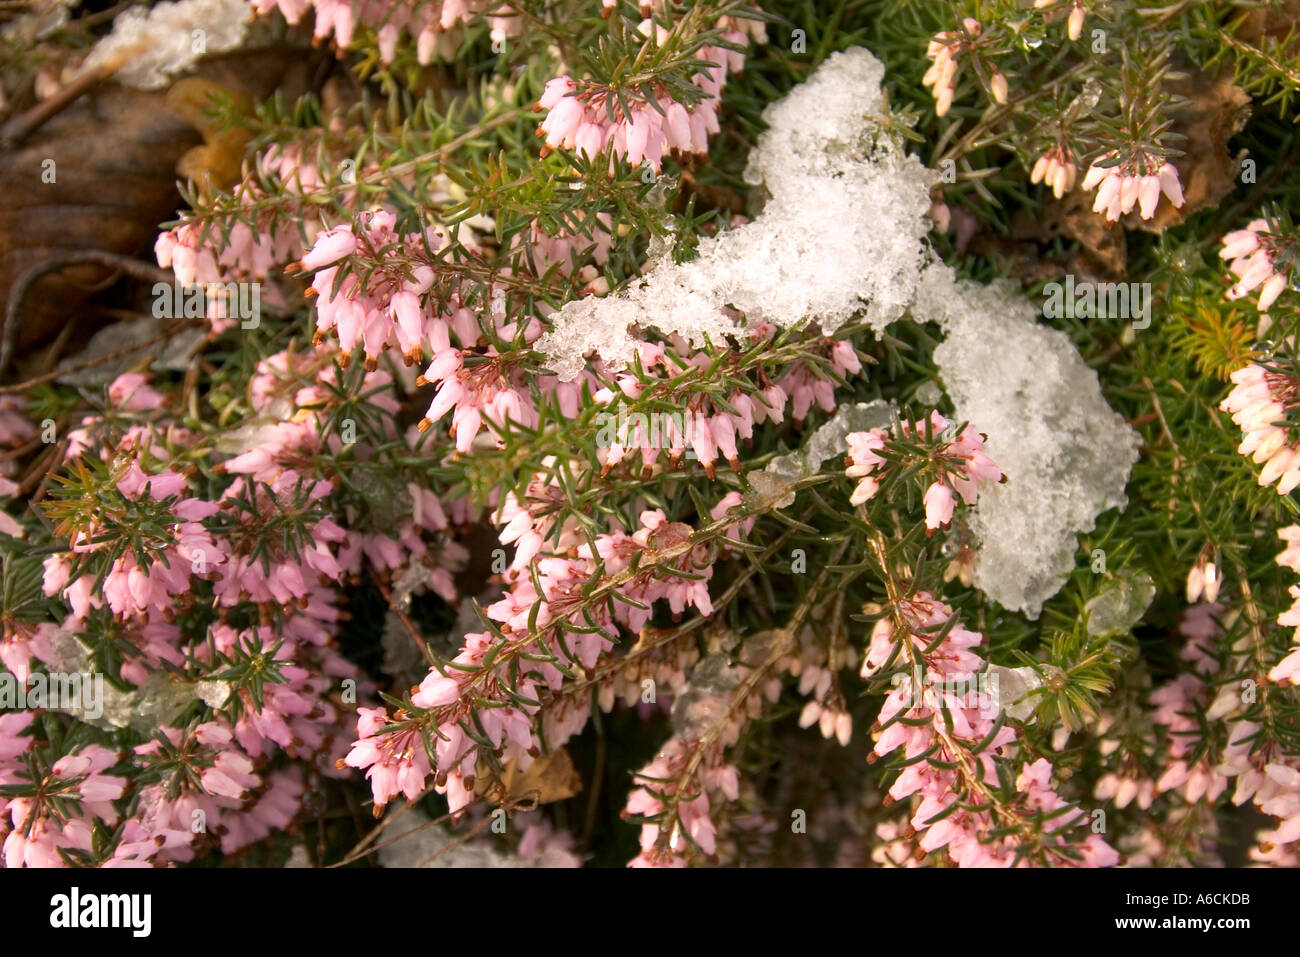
(843, 236)
(1065, 452)
(147, 47)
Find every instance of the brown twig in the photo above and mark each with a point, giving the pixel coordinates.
(97, 360)
(364, 848)
(45, 465)
(23, 284)
(403, 616)
(29, 121)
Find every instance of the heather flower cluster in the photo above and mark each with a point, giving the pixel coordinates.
(591, 118)
(1200, 770)
(427, 22)
(919, 635)
(1135, 180)
(945, 52)
(531, 618)
(956, 466)
(1056, 168)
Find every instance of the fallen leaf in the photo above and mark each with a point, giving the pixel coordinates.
(551, 777)
(113, 156)
(1103, 252)
(219, 160)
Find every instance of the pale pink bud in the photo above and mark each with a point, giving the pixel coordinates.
(943, 101)
(1169, 182)
(1074, 28)
(331, 246)
(1094, 176)
(1148, 195)
(998, 87)
(1271, 289)
(435, 691)
(1239, 243)
(405, 307)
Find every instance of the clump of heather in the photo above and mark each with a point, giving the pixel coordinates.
(625, 434)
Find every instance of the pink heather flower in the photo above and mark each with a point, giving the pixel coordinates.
(1177, 710)
(941, 214)
(664, 836)
(726, 503)
(1056, 168)
(844, 359)
(330, 246)
(130, 588)
(435, 691)
(1254, 254)
(1075, 28)
(588, 119)
(37, 827)
(564, 249)
(396, 761)
(1137, 180)
(961, 465)
(273, 811)
(1287, 671)
(827, 709)
(1123, 791)
(998, 87)
(180, 249)
(390, 310)
(929, 724)
(1270, 780)
(863, 462)
(227, 792)
(130, 392)
(939, 502)
(426, 22)
(543, 844)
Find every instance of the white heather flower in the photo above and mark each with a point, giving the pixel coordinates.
(1137, 181)
(1259, 404)
(1203, 581)
(942, 75)
(1252, 255)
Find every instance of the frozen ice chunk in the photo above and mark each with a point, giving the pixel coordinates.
(1120, 606)
(213, 693)
(826, 149)
(1012, 689)
(928, 394)
(768, 491)
(828, 441)
(418, 839)
(706, 699)
(1065, 452)
(159, 701)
